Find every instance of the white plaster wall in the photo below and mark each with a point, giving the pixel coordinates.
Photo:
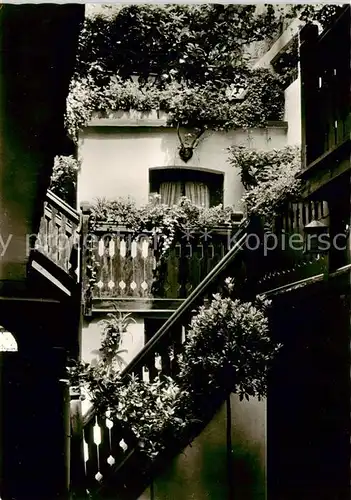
(293, 112)
(116, 160)
(132, 341)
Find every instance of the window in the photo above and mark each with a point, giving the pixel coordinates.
(204, 189)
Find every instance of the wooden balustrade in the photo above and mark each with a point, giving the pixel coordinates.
(290, 259)
(58, 234)
(125, 264)
(108, 445)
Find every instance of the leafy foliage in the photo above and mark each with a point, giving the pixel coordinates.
(195, 44)
(196, 57)
(191, 106)
(228, 349)
(112, 329)
(161, 221)
(322, 13)
(64, 178)
(269, 177)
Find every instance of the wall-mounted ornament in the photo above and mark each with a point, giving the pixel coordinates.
(189, 143)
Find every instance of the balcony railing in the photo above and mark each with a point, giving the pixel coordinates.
(285, 256)
(58, 235)
(125, 264)
(109, 454)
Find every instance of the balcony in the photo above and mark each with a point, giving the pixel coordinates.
(131, 274)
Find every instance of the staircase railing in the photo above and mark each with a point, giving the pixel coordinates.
(287, 256)
(108, 446)
(58, 234)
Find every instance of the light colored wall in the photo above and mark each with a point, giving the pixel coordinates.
(200, 472)
(132, 341)
(116, 160)
(293, 112)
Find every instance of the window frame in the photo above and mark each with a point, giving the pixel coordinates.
(214, 179)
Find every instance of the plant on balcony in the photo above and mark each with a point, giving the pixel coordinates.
(64, 178)
(191, 62)
(162, 222)
(269, 178)
(195, 106)
(228, 350)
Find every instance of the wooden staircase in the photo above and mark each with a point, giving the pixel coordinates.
(107, 459)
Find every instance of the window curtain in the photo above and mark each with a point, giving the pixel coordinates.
(198, 193)
(170, 192)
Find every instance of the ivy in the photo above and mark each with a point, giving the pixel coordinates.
(228, 349)
(195, 44)
(64, 178)
(202, 106)
(269, 177)
(164, 223)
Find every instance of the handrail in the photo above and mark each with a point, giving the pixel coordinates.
(64, 208)
(184, 308)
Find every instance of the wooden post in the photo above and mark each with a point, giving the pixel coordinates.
(77, 470)
(308, 36)
(86, 292)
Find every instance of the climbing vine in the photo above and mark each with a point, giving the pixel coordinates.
(269, 177)
(164, 223)
(190, 61)
(202, 106)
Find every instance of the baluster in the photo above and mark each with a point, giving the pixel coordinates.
(105, 271)
(90, 453)
(191, 272)
(300, 225)
(315, 210)
(165, 345)
(121, 252)
(112, 252)
(151, 367)
(47, 235)
(135, 267)
(100, 254)
(177, 348)
(292, 217)
(128, 266)
(172, 285)
(63, 243)
(42, 236)
(104, 447)
(53, 235)
(111, 459)
(144, 262)
(121, 442)
(97, 439)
